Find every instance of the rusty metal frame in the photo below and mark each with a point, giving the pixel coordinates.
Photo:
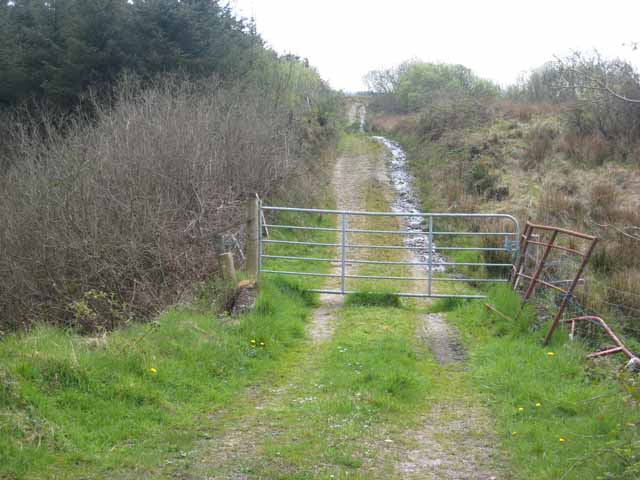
(619, 346)
(534, 280)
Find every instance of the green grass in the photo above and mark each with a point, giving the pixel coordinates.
(136, 400)
(375, 201)
(372, 299)
(541, 395)
(372, 375)
(69, 408)
(355, 144)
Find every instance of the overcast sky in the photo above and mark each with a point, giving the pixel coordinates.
(498, 39)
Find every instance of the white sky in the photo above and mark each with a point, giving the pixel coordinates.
(498, 39)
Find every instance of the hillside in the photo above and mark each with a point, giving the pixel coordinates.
(543, 161)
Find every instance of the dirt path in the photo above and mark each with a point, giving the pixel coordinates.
(350, 176)
(441, 339)
(453, 440)
(239, 434)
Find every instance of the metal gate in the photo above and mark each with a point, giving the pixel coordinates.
(422, 236)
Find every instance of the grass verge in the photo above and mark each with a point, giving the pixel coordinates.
(557, 417)
(372, 375)
(136, 399)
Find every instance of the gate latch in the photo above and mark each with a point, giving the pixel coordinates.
(512, 246)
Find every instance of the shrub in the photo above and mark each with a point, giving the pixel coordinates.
(591, 149)
(603, 201)
(540, 143)
(600, 110)
(557, 206)
(450, 112)
(525, 111)
(622, 291)
(480, 178)
(606, 258)
(130, 203)
(496, 241)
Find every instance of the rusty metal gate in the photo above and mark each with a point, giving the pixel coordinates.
(422, 236)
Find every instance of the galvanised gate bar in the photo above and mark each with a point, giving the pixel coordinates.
(509, 246)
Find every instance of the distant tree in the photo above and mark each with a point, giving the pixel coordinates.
(382, 81)
(416, 85)
(543, 85)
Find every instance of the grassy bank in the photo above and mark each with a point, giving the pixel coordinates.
(133, 402)
(557, 416)
(521, 164)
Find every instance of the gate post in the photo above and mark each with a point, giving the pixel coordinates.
(253, 237)
(343, 254)
(227, 266)
(431, 250)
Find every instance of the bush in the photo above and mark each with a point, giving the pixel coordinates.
(540, 143)
(480, 178)
(558, 207)
(603, 201)
(603, 111)
(591, 149)
(622, 292)
(496, 241)
(130, 202)
(450, 112)
(525, 111)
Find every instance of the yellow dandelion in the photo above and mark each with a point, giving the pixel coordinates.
(262, 344)
(521, 409)
(513, 434)
(253, 342)
(551, 354)
(538, 404)
(562, 440)
(153, 371)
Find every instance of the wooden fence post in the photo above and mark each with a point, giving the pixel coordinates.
(227, 266)
(253, 237)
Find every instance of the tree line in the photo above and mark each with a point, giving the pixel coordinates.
(414, 85)
(599, 96)
(54, 50)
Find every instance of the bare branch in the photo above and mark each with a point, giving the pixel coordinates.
(620, 230)
(595, 82)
